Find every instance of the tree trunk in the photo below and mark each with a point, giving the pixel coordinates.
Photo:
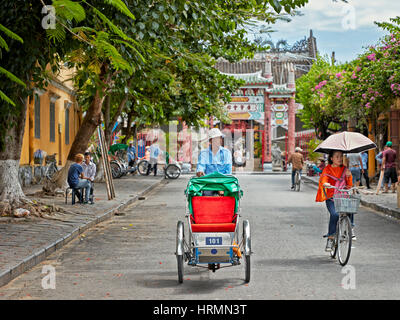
(100, 176)
(82, 138)
(10, 188)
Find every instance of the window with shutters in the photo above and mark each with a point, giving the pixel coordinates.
(37, 116)
(52, 122)
(67, 126)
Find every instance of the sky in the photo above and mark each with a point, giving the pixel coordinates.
(344, 28)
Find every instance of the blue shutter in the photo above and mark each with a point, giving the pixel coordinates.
(67, 126)
(37, 116)
(52, 122)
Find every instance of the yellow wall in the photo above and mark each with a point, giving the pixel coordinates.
(65, 92)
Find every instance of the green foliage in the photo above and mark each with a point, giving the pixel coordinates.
(311, 146)
(320, 93)
(8, 74)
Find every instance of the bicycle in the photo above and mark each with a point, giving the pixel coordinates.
(51, 166)
(171, 170)
(345, 204)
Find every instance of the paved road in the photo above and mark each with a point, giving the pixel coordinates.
(132, 255)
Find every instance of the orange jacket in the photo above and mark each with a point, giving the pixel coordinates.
(335, 172)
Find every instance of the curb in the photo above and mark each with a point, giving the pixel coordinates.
(377, 207)
(39, 256)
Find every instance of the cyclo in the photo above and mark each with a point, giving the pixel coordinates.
(213, 226)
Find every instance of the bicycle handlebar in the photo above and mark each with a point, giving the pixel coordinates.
(341, 190)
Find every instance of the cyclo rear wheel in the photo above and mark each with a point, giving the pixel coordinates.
(180, 236)
(344, 236)
(247, 249)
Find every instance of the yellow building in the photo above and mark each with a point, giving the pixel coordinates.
(52, 121)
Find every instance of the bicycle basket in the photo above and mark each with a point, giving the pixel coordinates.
(346, 203)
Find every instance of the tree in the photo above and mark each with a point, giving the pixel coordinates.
(116, 39)
(320, 92)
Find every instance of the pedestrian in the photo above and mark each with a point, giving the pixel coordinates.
(322, 165)
(335, 171)
(154, 153)
(76, 179)
(378, 158)
(131, 151)
(364, 157)
(389, 167)
(297, 161)
(215, 158)
(355, 165)
(89, 171)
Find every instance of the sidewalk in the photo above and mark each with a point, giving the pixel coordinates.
(25, 242)
(383, 202)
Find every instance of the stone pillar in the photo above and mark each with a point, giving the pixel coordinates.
(267, 156)
(291, 112)
(267, 165)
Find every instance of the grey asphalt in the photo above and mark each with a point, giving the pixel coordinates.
(131, 256)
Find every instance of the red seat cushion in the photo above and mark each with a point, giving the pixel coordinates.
(213, 214)
(214, 227)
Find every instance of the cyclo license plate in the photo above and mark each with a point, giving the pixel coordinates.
(213, 241)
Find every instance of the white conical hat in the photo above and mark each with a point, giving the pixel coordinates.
(215, 133)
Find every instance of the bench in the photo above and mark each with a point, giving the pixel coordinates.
(76, 192)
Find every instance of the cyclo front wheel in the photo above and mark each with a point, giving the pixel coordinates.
(142, 167)
(344, 235)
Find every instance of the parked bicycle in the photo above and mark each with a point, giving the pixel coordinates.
(119, 166)
(171, 170)
(345, 204)
(51, 166)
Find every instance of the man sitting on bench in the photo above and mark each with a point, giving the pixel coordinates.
(215, 158)
(76, 179)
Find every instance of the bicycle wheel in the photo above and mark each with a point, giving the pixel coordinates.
(298, 181)
(172, 171)
(115, 169)
(334, 248)
(142, 167)
(246, 239)
(180, 239)
(344, 235)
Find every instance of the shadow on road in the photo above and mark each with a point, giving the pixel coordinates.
(310, 262)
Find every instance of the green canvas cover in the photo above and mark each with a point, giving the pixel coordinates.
(214, 182)
(118, 146)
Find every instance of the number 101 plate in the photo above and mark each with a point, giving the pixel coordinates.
(213, 241)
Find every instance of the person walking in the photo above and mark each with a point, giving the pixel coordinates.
(356, 167)
(154, 153)
(297, 161)
(389, 167)
(364, 157)
(333, 172)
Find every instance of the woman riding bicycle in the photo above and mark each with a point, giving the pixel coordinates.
(335, 171)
